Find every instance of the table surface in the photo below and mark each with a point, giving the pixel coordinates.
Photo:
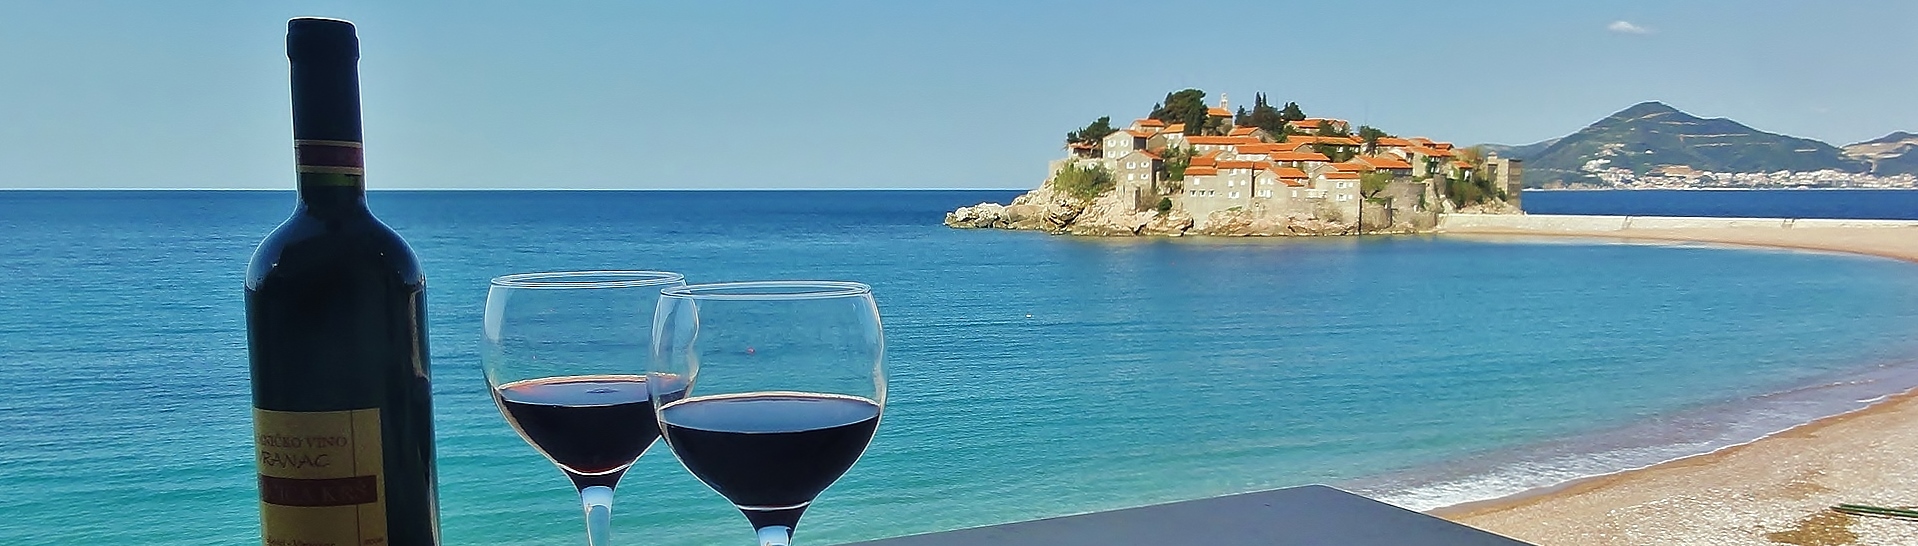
(1312, 515)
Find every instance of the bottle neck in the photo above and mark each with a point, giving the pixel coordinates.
(332, 176)
(328, 157)
(327, 194)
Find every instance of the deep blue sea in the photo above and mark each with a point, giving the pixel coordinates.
(1030, 375)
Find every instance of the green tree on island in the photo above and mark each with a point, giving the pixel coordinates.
(1370, 184)
(1092, 133)
(1084, 183)
(1369, 136)
(1291, 112)
(1185, 106)
(1263, 116)
(1175, 160)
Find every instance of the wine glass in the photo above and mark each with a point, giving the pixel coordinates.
(768, 391)
(566, 356)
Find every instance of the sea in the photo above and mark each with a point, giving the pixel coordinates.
(1030, 375)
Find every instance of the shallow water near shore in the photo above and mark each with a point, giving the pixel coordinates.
(1032, 375)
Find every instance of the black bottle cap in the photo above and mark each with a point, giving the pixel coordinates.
(318, 39)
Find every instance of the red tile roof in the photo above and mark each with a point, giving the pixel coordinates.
(1340, 175)
(1149, 122)
(1288, 172)
(1174, 128)
(1239, 164)
(1298, 156)
(1394, 141)
(1384, 162)
(1197, 170)
(1221, 140)
(1261, 148)
(1356, 166)
(1139, 133)
(1218, 112)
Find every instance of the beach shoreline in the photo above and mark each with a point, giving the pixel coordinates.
(1776, 489)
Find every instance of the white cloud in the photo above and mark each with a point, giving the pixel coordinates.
(1626, 27)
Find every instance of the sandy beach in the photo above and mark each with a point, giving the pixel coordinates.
(1776, 490)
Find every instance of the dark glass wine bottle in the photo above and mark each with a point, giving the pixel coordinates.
(336, 331)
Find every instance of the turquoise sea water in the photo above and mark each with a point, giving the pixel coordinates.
(1031, 375)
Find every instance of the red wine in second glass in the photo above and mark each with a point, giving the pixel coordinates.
(770, 453)
(593, 426)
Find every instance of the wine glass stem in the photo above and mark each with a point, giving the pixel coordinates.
(775, 535)
(598, 500)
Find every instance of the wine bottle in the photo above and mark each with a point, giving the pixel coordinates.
(336, 334)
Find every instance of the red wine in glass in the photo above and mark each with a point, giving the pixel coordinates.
(593, 426)
(770, 454)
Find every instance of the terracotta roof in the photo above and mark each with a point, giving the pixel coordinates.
(1355, 166)
(1433, 152)
(1344, 140)
(1149, 122)
(1384, 162)
(1298, 156)
(1221, 140)
(1174, 128)
(1394, 141)
(1307, 123)
(1261, 148)
(1422, 141)
(1243, 131)
(1442, 145)
(1150, 153)
(1218, 112)
(1239, 164)
(1461, 164)
(1206, 161)
(1139, 133)
(1340, 175)
(1288, 172)
(1197, 170)
(1293, 182)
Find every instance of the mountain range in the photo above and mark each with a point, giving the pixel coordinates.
(1650, 136)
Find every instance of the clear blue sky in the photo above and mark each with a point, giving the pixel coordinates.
(495, 94)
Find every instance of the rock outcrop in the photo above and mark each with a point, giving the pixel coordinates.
(1052, 211)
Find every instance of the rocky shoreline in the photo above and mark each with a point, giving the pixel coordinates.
(1051, 211)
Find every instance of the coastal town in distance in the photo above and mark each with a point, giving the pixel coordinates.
(1655, 146)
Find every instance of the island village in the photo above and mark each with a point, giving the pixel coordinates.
(1193, 169)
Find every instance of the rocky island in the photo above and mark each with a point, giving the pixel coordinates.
(1192, 169)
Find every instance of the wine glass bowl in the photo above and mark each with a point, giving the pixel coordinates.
(565, 357)
(768, 391)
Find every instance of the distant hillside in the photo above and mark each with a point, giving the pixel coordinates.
(1896, 153)
(1522, 152)
(1651, 135)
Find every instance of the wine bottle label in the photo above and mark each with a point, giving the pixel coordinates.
(321, 481)
(329, 162)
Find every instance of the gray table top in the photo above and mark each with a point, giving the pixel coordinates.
(1312, 515)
